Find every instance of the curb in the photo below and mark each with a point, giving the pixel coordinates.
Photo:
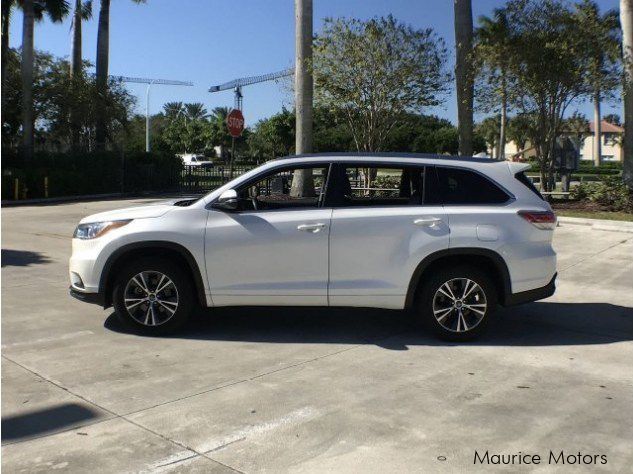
(87, 197)
(599, 224)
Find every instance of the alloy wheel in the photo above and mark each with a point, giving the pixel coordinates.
(151, 298)
(459, 305)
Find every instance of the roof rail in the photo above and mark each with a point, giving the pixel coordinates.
(394, 155)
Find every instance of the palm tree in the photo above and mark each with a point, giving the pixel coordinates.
(601, 40)
(195, 111)
(220, 113)
(7, 7)
(103, 56)
(172, 110)
(302, 181)
(463, 74)
(82, 11)
(494, 37)
(56, 10)
(626, 20)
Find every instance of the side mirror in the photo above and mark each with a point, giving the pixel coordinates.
(227, 201)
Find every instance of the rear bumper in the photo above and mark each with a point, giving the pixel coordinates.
(532, 295)
(92, 298)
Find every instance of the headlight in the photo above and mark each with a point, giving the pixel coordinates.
(97, 229)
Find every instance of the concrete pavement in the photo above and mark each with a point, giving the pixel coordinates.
(307, 390)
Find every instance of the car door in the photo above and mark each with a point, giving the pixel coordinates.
(273, 250)
(381, 229)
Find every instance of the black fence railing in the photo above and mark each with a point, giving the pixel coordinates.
(51, 175)
(200, 179)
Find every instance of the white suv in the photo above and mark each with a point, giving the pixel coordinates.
(448, 238)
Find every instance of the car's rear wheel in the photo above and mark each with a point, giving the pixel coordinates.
(457, 303)
(153, 295)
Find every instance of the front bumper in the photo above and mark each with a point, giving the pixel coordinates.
(92, 298)
(532, 295)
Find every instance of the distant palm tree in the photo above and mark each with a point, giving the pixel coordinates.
(82, 11)
(172, 110)
(196, 111)
(56, 10)
(220, 113)
(601, 37)
(103, 57)
(626, 20)
(7, 7)
(493, 42)
(463, 74)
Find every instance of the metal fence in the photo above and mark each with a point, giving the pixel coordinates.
(200, 179)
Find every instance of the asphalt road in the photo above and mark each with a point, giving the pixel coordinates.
(306, 390)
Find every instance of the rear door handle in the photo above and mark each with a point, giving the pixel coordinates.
(313, 228)
(427, 221)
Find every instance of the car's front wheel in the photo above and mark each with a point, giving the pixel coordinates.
(153, 295)
(457, 303)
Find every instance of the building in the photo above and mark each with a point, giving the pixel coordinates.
(611, 144)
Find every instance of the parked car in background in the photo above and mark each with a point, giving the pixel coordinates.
(193, 159)
(448, 239)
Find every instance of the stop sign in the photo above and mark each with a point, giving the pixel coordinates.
(235, 122)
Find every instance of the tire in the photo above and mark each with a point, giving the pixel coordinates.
(443, 308)
(150, 312)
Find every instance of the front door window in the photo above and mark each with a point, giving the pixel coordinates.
(289, 188)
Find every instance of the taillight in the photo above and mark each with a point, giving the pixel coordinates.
(541, 219)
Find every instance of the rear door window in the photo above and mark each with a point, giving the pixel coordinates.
(461, 186)
(377, 185)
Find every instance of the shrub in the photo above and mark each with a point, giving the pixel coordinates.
(611, 193)
(75, 174)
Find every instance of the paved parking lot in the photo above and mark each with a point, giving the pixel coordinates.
(307, 390)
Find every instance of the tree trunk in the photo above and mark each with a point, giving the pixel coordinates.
(626, 20)
(75, 56)
(103, 51)
(502, 127)
(27, 79)
(597, 129)
(463, 74)
(6, 21)
(75, 72)
(302, 181)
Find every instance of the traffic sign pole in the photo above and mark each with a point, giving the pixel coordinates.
(232, 158)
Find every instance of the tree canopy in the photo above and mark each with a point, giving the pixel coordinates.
(374, 71)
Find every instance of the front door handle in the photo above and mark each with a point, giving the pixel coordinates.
(313, 228)
(427, 221)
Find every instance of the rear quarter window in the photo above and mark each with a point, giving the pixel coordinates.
(528, 183)
(460, 186)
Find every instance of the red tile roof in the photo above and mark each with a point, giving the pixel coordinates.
(607, 127)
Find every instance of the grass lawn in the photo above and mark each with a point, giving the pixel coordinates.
(615, 216)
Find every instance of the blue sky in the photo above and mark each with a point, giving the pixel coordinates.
(212, 41)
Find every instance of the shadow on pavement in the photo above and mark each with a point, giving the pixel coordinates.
(534, 324)
(22, 258)
(39, 422)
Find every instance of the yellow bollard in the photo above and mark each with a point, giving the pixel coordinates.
(16, 189)
(45, 186)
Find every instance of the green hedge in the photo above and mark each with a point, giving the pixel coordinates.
(76, 174)
(585, 167)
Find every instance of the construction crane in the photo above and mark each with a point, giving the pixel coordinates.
(150, 82)
(237, 84)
